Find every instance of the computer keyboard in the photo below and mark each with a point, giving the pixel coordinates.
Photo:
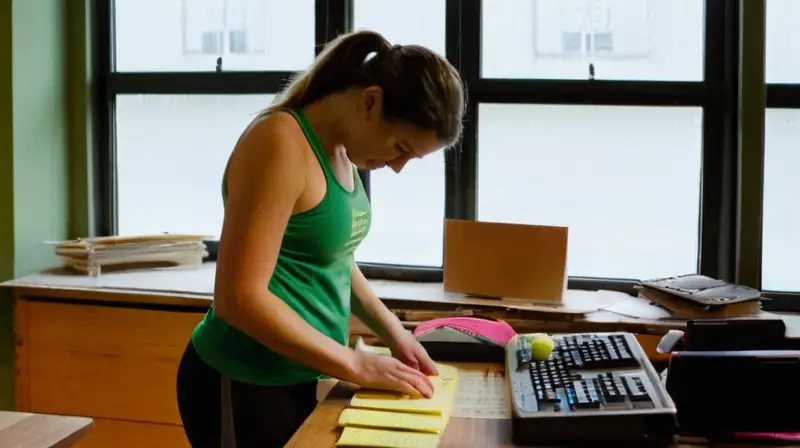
(594, 388)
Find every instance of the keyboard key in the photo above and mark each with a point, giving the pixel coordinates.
(636, 389)
(585, 395)
(611, 388)
(523, 358)
(593, 352)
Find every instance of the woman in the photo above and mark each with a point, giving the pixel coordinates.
(295, 211)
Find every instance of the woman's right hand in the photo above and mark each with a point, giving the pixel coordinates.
(373, 371)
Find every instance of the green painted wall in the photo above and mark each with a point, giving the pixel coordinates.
(44, 141)
(6, 204)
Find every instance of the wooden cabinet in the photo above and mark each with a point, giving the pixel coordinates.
(113, 363)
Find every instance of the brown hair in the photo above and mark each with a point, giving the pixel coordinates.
(419, 86)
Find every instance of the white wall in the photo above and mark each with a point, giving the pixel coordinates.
(625, 180)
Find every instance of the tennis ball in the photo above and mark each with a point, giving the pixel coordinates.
(541, 346)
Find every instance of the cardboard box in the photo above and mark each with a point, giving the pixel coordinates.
(498, 260)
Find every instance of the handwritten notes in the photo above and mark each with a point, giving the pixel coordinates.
(378, 438)
(390, 420)
(481, 394)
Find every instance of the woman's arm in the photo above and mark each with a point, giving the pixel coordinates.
(369, 308)
(266, 176)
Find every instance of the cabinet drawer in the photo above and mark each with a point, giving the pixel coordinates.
(103, 361)
(120, 434)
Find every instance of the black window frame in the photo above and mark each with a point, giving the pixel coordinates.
(717, 93)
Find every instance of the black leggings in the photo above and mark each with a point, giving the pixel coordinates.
(263, 417)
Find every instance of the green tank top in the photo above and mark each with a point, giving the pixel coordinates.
(312, 275)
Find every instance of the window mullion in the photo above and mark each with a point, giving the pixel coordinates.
(752, 100)
(103, 209)
(717, 225)
(463, 24)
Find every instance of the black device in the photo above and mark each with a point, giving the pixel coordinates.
(451, 345)
(463, 352)
(721, 393)
(737, 334)
(596, 388)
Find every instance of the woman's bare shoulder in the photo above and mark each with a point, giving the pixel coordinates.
(273, 135)
(276, 124)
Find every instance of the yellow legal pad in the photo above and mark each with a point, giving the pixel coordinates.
(390, 420)
(379, 438)
(369, 418)
(442, 400)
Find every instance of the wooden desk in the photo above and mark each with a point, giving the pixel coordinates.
(320, 429)
(109, 347)
(23, 430)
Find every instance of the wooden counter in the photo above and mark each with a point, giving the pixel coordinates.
(24, 430)
(108, 347)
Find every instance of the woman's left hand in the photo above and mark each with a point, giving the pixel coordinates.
(409, 351)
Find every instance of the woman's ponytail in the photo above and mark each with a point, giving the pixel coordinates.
(339, 66)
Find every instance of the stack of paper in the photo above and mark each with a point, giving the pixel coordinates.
(93, 255)
(390, 420)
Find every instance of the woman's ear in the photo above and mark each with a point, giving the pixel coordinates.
(372, 102)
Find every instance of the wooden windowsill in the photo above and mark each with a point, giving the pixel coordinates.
(193, 288)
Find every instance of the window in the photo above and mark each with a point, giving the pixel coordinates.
(407, 209)
(171, 153)
(585, 27)
(612, 117)
(211, 42)
(781, 242)
(189, 35)
(622, 39)
(620, 163)
(571, 43)
(782, 56)
(600, 43)
(593, 169)
(171, 133)
(781, 216)
(586, 44)
(237, 42)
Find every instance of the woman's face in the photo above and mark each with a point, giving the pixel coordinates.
(374, 143)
